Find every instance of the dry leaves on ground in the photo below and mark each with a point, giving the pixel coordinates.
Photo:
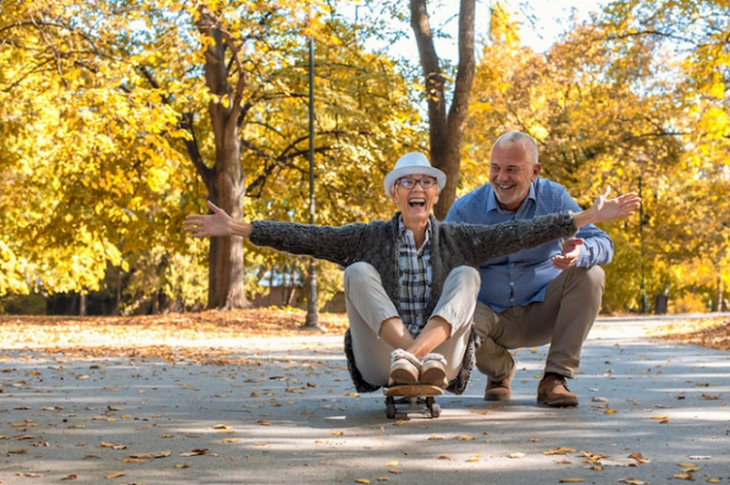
(204, 337)
(209, 336)
(706, 332)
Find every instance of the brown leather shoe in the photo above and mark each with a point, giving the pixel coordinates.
(500, 390)
(552, 391)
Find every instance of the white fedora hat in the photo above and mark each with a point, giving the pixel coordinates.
(413, 164)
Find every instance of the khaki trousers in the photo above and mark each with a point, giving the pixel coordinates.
(563, 320)
(368, 306)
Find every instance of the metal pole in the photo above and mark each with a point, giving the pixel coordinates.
(312, 319)
(644, 305)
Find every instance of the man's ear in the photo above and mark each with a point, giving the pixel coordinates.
(536, 171)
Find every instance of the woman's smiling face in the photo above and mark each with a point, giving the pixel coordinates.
(415, 201)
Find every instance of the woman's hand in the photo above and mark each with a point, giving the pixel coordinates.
(219, 223)
(604, 209)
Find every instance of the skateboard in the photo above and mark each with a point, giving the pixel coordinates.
(412, 399)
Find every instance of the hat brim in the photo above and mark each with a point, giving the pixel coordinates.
(397, 173)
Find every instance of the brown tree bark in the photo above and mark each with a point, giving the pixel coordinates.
(446, 130)
(225, 180)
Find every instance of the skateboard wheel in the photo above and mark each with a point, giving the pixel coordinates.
(390, 407)
(435, 410)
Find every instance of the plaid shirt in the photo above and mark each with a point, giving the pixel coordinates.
(415, 278)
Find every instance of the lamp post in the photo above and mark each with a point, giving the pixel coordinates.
(644, 305)
(312, 319)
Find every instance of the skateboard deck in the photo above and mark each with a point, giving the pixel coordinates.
(412, 399)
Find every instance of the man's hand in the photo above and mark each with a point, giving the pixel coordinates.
(570, 255)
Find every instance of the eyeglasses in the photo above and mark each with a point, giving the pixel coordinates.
(408, 182)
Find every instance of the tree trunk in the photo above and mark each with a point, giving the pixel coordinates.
(446, 131)
(225, 273)
(226, 181)
(719, 298)
(82, 304)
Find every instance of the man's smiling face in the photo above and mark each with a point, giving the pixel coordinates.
(510, 174)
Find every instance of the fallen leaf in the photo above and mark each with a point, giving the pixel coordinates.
(196, 452)
(71, 476)
(633, 481)
(115, 475)
(639, 457)
(465, 437)
(113, 446)
(362, 480)
(156, 454)
(572, 480)
(559, 451)
(515, 455)
(616, 462)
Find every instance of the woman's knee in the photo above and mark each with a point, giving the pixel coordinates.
(359, 272)
(466, 275)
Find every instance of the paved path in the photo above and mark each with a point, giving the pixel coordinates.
(285, 412)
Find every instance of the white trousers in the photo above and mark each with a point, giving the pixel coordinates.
(368, 306)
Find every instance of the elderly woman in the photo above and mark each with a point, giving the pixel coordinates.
(410, 282)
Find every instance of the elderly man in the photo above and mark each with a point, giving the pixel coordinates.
(547, 294)
(410, 282)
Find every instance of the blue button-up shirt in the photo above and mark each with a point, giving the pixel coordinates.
(522, 277)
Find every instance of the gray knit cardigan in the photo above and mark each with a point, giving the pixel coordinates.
(453, 244)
